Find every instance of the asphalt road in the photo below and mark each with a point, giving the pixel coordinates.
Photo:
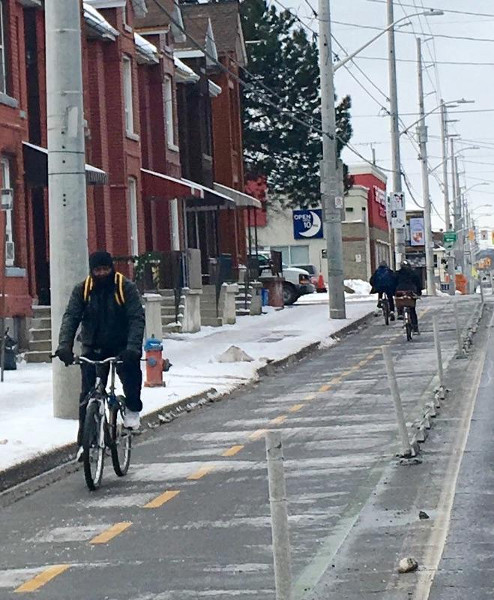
(191, 519)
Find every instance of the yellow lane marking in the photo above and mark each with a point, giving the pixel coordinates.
(346, 373)
(310, 397)
(39, 581)
(296, 407)
(325, 388)
(110, 533)
(257, 434)
(162, 498)
(278, 420)
(232, 451)
(201, 472)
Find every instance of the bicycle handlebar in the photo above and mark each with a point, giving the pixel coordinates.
(105, 361)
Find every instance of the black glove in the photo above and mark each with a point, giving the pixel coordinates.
(129, 356)
(65, 354)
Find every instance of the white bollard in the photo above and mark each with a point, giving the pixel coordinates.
(406, 449)
(440, 369)
(279, 516)
(461, 351)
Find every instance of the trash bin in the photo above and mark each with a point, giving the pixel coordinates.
(9, 360)
(265, 296)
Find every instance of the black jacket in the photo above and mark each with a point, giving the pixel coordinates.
(383, 280)
(407, 280)
(104, 324)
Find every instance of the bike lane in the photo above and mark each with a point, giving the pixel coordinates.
(191, 519)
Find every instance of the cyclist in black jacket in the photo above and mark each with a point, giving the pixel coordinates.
(109, 309)
(407, 280)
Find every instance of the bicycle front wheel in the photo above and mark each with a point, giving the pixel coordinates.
(93, 445)
(121, 442)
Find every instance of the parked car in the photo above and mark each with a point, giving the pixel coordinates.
(314, 276)
(297, 281)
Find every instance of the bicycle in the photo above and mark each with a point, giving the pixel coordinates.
(406, 301)
(385, 309)
(103, 426)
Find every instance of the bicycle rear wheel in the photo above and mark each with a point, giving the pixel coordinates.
(121, 442)
(93, 445)
(408, 324)
(385, 308)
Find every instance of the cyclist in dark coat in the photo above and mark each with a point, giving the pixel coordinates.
(383, 282)
(407, 280)
(108, 307)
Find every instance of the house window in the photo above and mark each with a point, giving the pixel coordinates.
(3, 61)
(132, 206)
(169, 113)
(128, 96)
(299, 255)
(9, 219)
(124, 14)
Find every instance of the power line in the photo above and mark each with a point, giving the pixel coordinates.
(439, 62)
(445, 10)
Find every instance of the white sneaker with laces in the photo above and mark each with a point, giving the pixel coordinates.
(132, 419)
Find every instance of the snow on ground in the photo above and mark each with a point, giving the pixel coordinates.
(27, 427)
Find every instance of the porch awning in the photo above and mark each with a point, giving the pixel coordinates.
(241, 200)
(36, 167)
(158, 185)
(211, 197)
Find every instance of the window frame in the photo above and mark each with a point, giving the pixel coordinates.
(169, 112)
(4, 88)
(133, 218)
(6, 183)
(128, 90)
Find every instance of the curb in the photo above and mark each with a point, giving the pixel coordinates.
(57, 463)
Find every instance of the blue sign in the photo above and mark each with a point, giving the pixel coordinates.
(307, 224)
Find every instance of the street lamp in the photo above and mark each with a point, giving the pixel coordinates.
(425, 13)
(331, 199)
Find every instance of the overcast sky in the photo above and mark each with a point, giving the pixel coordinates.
(449, 81)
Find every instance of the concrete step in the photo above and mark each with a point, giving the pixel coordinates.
(172, 328)
(40, 345)
(242, 312)
(167, 311)
(239, 301)
(39, 334)
(37, 357)
(41, 312)
(211, 322)
(41, 323)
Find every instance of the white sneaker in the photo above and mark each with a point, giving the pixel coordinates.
(132, 419)
(80, 452)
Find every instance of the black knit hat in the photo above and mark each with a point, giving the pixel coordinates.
(101, 258)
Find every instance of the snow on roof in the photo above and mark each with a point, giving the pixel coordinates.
(98, 23)
(214, 90)
(184, 73)
(147, 51)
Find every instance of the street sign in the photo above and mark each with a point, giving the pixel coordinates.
(449, 239)
(6, 199)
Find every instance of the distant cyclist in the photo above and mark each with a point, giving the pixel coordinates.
(383, 282)
(108, 307)
(407, 280)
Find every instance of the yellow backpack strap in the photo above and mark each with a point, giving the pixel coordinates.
(88, 286)
(119, 291)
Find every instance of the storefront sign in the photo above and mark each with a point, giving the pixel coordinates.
(307, 224)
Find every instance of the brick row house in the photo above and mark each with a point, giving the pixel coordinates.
(163, 137)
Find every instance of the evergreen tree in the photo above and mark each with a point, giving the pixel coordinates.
(284, 59)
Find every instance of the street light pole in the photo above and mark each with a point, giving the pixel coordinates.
(399, 234)
(444, 144)
(329, 187)
(422, 137)
(66, 180)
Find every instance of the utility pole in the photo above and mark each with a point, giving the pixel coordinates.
(460, 242)
(399, 234)
(66, 180)
(422, 137)
(444, 144)
(329, 184)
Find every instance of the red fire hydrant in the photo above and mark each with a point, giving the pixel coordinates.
(156, 365)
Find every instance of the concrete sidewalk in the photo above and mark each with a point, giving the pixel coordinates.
(29, 432)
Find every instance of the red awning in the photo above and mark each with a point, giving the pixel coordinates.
(160, 186)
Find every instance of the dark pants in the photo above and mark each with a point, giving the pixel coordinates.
(390, 300)
(130, 375)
